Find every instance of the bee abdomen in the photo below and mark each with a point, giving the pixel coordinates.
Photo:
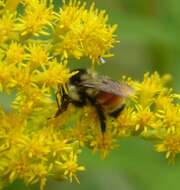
(117, 111)
(112, 104)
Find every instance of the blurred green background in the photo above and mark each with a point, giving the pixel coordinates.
(149, 33)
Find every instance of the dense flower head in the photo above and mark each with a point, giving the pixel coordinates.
(14, 53)
(37, 54)
(36, 45)
(170, 145)
(7, 26)
(83, 33)
(36, 19)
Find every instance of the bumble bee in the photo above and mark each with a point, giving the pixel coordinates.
(88, 88)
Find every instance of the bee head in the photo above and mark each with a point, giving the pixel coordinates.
(83, 74)
(77, 78)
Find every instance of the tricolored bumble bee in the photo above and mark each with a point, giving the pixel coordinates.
(88, 88)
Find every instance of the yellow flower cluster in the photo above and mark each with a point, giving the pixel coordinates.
(36, 43)
(157, 112)
(83, 33)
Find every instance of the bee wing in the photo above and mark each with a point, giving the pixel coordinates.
(109, 86)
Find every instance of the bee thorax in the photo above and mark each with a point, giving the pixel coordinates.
(91, 92)
(73, 92)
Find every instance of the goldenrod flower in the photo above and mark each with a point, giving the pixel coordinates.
(67, 30)
(164, 100)
(14, 54)
(37, 55)
(170, 117)
(39, 174)
(170, 145)
(7, 27)
(70, 166)
(35, 46)
(148, 89)
(81, 32)
(70, 15)
(53, 75)
(22, 78)
(69, 46)
(37, 18)
(5, 76)
(145, 119)
(126, 122)
(103, 143)
(96, 36)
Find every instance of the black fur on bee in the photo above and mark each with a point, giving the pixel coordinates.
(88, 88)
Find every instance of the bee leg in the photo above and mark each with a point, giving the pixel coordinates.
(80, 103)
(101, 116)
(118, 111)
(99, 111)
(102, 119)
(57, 99)
(63, 107)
